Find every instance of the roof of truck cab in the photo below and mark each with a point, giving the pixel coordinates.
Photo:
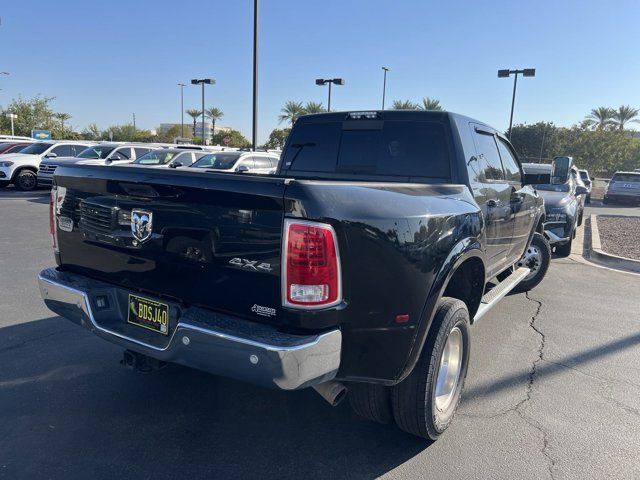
(397, 115)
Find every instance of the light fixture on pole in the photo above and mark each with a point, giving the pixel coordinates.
(203, 82)
(329, 81)
(506, 73)
(384, 85)
(181, 85)
(12, 116)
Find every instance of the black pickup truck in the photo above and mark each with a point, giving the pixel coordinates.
(358, 266)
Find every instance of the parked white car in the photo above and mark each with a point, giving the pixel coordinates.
(104, 153)
(21, 168)
(240, 162)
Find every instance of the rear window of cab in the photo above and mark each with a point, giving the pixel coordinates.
(370, 148)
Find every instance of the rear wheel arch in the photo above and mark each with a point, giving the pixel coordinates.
(465, 256)
(17, 171)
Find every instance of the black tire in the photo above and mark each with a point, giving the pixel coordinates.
(371, 401)
(605, 201)
(540, 243)
(588, 199)
(413, 400)
(579, 223)
(26, 180)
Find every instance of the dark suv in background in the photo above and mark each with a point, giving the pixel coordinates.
(564, 205)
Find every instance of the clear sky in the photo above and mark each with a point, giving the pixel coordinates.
(105, 60)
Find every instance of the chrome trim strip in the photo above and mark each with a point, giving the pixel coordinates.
(553, 238)
(82, 302)
(503, 288)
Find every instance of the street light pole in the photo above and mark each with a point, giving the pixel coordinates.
(526, 72)
(329, 81)
(254, 126)
(203, 82)
(181, 85)
(11, 117)
(384, 85)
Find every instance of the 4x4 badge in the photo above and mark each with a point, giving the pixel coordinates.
(252, 265)
(141, 224)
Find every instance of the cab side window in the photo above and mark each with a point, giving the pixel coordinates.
(486, 166)
(509, 162)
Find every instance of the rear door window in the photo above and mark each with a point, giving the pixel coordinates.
(63, 151)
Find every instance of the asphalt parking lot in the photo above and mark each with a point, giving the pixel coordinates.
(553, 390)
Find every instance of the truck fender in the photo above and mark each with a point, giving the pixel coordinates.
(463, 250)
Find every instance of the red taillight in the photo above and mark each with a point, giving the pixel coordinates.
(311, 265)
(52, 218)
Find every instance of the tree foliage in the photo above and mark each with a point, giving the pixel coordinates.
(404, 105)
(35, 113)
(234, 137)
(314, 107)
(431, 104)
(277, 138)
(291, 112)
(599, 150)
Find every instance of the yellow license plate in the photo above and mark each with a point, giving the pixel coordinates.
(148, 314)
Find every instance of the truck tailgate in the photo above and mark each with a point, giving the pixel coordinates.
(202, 238)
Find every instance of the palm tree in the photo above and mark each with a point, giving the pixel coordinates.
(314, 107)
(63, 117)
(404, 105)
(431, 104)
(291, 111)
(624, 115)
(194, 113)
(601, 117)
(214, 114)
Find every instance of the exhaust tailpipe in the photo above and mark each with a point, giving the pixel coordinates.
(140, 363)
(332, 392)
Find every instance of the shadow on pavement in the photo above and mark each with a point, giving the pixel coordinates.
(550, 368)
(35, 196)
(66, 401)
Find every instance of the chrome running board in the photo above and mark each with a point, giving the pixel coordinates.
(498, 292)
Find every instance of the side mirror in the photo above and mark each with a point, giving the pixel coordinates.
(580, 190)
(242, 169)
(51, 155)
(587, 183)
(116, 157)
(175, 165)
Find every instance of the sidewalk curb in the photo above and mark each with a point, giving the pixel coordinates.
(613, 261)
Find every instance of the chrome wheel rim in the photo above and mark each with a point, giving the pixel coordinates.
(449, 372)
(532, 259)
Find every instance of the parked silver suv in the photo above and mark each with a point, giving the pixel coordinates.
(623, 187)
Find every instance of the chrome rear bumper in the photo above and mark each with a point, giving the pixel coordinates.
(202, 339)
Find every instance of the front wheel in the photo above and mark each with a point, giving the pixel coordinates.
(536, 258)
(424, 403)
(26, 180)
